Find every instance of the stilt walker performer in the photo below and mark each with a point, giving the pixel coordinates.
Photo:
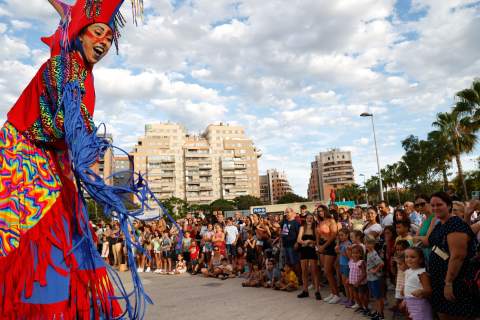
(49, 265)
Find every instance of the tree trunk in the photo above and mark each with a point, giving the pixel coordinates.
(460, 175)
(445, 178)
(398, 193)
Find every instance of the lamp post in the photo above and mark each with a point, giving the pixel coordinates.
(366, 114)
(365, 187)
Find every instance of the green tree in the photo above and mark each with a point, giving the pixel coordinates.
(352, 192)
(222, 205)
(291, 197)
(468, 101)
(442, 156)
(459, 133)
(245, 202)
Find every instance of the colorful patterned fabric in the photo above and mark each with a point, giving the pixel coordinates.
(59, 70)
(28, 186)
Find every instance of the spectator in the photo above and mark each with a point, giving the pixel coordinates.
(403, 231)
(208, 242)
(344, 244)
(372, 228)
(386, 217)
(375, 265)
(453, 244)
(357, 278)
(417, 287)
(224, 270)
(458, 209)
(181, 265)
(326, 235)
(422, 204)
(166, 247)
(231, 238)
(307, 240)
(303, 213)
(357, 220)
(288, 280)
(219, 239)
(289, 235)
(254, 278)
(415, 218)
(271, 274)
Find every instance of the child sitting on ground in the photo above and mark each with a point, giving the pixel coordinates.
(225, 270)
(270, 274)
(254, 278)
(240, 262)
(288, 280)
(181, 266)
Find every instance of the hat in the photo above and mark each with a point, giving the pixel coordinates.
(86, 12)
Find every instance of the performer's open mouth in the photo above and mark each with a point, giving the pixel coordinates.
(99, 50)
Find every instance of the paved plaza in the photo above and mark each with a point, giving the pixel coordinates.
(186, 297)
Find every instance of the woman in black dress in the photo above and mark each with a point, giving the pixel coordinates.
(308, 255)
(453, 245)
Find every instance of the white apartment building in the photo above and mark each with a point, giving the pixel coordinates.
(219, 163)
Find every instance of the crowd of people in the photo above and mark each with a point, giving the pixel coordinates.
(424, 252)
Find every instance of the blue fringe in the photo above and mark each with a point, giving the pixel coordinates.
(84, 149)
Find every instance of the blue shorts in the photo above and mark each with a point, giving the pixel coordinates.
(344, 270)
(375, 288)
(291, 256)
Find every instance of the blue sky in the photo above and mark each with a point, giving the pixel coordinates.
(296, 76)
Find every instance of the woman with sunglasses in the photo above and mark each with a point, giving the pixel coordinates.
(422, 206)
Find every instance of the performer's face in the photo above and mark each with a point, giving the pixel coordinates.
(96, 40)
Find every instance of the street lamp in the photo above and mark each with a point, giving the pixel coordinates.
(365, 187)
(366, 114)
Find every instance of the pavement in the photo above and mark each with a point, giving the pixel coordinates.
(186, 297)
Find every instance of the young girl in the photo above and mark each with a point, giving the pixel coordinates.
(417, 285)
(403, 231)
(105, 248)
(157, 251)
(251, 248)
(343, 261)
(374, 278)
(181, 266)
(254, 278)
(400, 282)
(357, 278)
(166, 249)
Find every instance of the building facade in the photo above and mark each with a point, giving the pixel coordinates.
(219, 163)
(104, 166)
(273, 186)
(330, 170)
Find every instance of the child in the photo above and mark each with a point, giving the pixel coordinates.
(343, 262)
(400, 281)
(240, 262)
(254, 278)
(157, 252)
(181, 266)
(225, 270)
(288, 281)
(357, 278)
(105, 249)
(374, 278)
(194, 253)
(166, 249)
(389, 252)
(417, 285)
(251, 249)
(403, 231)
(270, 274)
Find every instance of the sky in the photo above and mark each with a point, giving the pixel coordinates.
(295, 73)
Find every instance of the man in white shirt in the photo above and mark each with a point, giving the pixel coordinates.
(386, 217)
(231, 238)
(416, 218)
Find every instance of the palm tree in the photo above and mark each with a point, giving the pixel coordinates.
(458, 132)
(443, 155)
(468, 101)
(395, 179)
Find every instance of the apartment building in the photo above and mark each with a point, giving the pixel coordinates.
(104, 166)
(221, 162)
(331, 170)
(273, 186)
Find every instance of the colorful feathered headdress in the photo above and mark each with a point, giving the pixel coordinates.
(85, 12)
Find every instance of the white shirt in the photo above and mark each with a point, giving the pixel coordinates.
(412, 281)
(387, 220)
(373, 228)
(231, 234)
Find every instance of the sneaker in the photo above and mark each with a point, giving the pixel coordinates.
(335, 299)
(353, 306)
(372, 314)
(148, 269)
(365, 312)
(359, 310)
(318, 296)
(140, 270)
(303, 294)
(330, 296)
(349, 304)
(378, 317)
(158, 271)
